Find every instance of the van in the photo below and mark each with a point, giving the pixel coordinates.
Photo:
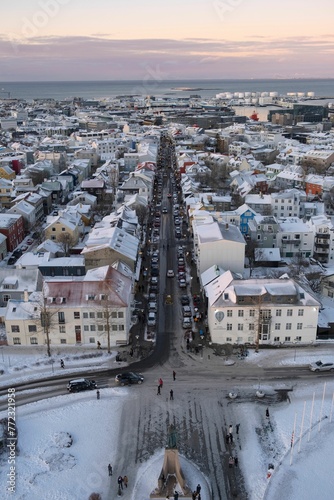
(81, 384)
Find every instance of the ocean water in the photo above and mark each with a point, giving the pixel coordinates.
(205, 88)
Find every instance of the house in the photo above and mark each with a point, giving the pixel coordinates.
(85, 311)
(295, 238)
(3, 246)
(260, 311)
(27, 211)
(6, 190)
(7, 173)
(64, 223)
(12, 226)
(14, 283)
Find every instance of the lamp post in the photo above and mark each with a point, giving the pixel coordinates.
(295, 342)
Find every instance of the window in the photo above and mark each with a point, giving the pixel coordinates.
(264, 336)
(298, 339)
(300, 312)
(287, 339)
(229, 313)
(240, 313)
(61, 317)
(92, 328)
(288, 326)
(251, 326)
(121, 328)
(240, 327)
(121, 314)
(114, 314)
(276, 339)
(92, 340)
(252, 312)
(86, 328)
(16, 341)
(76, 315)
(62, 329)
(278, 312)
(53, 229)
(299, 326)
(277, 326)
(229, 326)
(99, 315)
(289, 312)
(33, 340)
(85, 315)
(100, 328)
(63, 341)
(330, 294)
(114, 328)
(225, 296)
(63, 229)
(15, 329)
(92, 315)
(32, 328)
(6, 298)
(228, 339)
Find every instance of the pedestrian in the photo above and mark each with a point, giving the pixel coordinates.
(131, 352)
(159, 390)
(161, 382)
(98, 344)
(125, 481)
(171, 395)
(110, 470)
(267, 412)
(198, 489)
(120, 482)
(199, 496)
(62, 365)
(230, 462)
(237, 428)
(227, 438)
(174, 375)
(194, 495)
(230, 429)
(231, 438)
(236, 461)
(176, 495)
(98, 394)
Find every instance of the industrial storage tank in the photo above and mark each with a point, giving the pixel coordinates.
(273, 94)
(310, 94)
(301, 94)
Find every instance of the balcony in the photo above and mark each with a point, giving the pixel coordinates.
(324, 236)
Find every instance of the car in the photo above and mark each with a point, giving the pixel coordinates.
(155, 260)
(178, 234)
(153, 288)
(152, 319)
(24, 248)
(81, 384)
(129, 378)
(30, 241)
(155, 271)
(319, 366)
(152, 306)
(185, 301)
(186, 323)
(154, 280)
(182, 283)
(181, 275)
(181, 268)
(11, 261)
(169, 195)
(170, 273)
(164, 210)
(152, 297)
(186, 311)
(169, 299)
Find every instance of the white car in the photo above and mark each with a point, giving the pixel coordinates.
(319, 366)
(152, 306)
(182, 283)
(170, 273)
(186, 323)
(152, 319)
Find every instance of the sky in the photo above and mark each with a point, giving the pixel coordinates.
(62, 40)
(47, 468)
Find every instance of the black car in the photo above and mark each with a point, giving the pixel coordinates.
(128, 378)
(185, 301)
(81, 384)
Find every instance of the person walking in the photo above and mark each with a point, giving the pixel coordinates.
(237, 428)
(176, 495)
(231, 462)
(125, 481)
(171, 393)
(98, 344)
(227, 439)
(120, 482)
(159, 390)
(198, 489)
(267, 412)
(62, 364)
(174, 375)
(97, 394)
(161, 382)
(230, 429)
(231, 438)
(236, 461)
(110, 469)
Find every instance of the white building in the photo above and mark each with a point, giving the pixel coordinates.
(295, 237)
(260, 311)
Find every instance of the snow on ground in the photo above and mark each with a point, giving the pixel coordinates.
(47, 469)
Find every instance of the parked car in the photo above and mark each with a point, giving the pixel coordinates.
(319, 366)
(170, 273)
(185, 301)
(152, 306)
(152, 319)
(186, 323)
(30, 241)
(128, 378)
(186, 311)
(182, 283)
(81, 384)
(24, 248)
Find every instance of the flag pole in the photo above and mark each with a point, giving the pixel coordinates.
(293, 438)
(301, 428)
(311, 416)
(322, 405)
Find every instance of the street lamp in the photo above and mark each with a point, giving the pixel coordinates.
(295, 342)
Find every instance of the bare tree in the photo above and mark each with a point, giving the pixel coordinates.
(106, 313)
(251, 245)
(297, 265)
(66, 242)
(46, 317)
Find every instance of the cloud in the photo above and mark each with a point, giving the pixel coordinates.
(100, 57)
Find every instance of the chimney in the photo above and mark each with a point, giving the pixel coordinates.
(25, 295)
